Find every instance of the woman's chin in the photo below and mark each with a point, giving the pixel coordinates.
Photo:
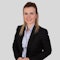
(30, 23)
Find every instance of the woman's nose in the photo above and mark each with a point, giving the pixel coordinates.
(28, 16)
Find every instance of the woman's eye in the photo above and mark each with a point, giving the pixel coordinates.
(31, 13)
(25, 13)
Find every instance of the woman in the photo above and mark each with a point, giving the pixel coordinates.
(31, 41)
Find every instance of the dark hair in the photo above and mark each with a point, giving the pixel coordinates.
(30, 4)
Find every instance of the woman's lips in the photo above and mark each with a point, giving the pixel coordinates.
(29, 19)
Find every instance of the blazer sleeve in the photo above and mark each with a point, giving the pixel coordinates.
(15, 45)
(46, 47)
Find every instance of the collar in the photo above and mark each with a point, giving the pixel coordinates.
(30, 28)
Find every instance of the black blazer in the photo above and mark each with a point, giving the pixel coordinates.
(39, 46)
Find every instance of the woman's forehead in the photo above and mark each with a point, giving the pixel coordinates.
(29, 8)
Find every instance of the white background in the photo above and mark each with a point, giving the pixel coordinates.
(11, 16)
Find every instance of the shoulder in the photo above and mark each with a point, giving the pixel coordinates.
(43, 30)
(18, 27)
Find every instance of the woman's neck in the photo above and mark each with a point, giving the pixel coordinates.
(29, 25)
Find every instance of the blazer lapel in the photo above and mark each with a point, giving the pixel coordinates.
(30, 40)
(20, 39)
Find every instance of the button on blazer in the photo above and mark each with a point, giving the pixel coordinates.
(39, 46)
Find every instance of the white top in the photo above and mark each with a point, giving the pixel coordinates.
(25, 40)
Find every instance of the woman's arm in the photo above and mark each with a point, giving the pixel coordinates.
(46, 47)
(15, 45)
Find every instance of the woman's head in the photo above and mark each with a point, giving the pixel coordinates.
(30, 13)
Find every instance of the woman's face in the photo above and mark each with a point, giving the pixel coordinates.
(30, 15)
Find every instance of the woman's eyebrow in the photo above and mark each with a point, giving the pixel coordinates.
(29, 12)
